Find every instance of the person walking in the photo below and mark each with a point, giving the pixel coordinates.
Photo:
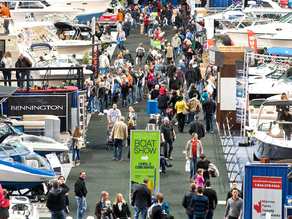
(5, 12)
(212, 197)
(233, 186)
(80, 193)
(23, 62)
(197, 127)
(113, 115)
(63, 185)
(122, 38)
(119, 134)
(234, 206)
(167, 137)
(179, 106)
(121, 208)
(76, 145)
(169, 53)
(195, 107)
(174, 84)
(209, 108)
(131, 126)
(55, 200)
(98, 207)
(140, 53)
(4, 204)
(194, 149)
(7, 61)
(200, 203)
(162, 104)
(203, 164)
(141, 83)
(175, 42)
(141, 200)
(186, 202)
(91, 93)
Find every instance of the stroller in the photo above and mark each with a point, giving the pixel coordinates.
(110, 140)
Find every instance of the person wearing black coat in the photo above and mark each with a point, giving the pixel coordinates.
(171, 69)
(198, 127)
(187, 200)
(121, 208)
(141, 199)
(174, 83)
(55, 200)
(80, 193)
(193, 90)
(173, 101)
(209, 108)
(191, 76)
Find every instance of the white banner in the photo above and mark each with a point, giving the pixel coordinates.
(266, 197)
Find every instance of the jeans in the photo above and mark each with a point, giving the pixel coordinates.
(121, 46)
(135, 22)
(134, 93)
(58, 214)
(130, 97)
(163, 164)
(91, 104)
(77, 151)
(7, 75)
(199, 217)
(210, 214)
(22, 76)
(175, 52)
(6, 26)
(162, 112)
(104, 71)
(193, 166)
(145, 29)
(168, 142)
(101, 104)
(287, 134)
(209, 122)
(191, 116)
(190, 216)
(97, 107)
(199, 86)
(141, 93)
(81, 206)
(143, 211)
(118, 143)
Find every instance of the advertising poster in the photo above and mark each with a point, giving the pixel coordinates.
(241, 92)
(145, 159)
(156, 43)
(266, 197)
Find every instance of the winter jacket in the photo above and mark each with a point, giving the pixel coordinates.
(187, 201)
(162, 101)
(194, 105)
(174, 84)
(141, 196)
(56, 197)
(169, 52)
(209, 106)
(175, 42)
(80, 188)
(123, 213)
(189, 149)
(4, 208)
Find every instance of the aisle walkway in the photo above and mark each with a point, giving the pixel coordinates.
(112, 176)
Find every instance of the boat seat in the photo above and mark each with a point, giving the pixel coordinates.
(280, 135)
(32, 163)
(8, 159)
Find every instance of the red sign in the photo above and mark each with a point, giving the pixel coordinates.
(252, 41)
(95, 60)
(266, 183)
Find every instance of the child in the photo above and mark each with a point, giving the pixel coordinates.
(106, 206)
(4, 206)
(199, 177)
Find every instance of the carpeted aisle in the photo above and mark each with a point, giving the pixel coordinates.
(102, 173)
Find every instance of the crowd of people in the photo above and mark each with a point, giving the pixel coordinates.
(174, 74)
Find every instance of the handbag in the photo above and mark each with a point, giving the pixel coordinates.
(78, 144)
(118, 41)
(188, 166)
(185, 111)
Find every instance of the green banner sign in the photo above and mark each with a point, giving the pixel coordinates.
(154, 14)
(145, 159)
(156, 43)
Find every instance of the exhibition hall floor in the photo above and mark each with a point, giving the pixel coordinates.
(102, 173)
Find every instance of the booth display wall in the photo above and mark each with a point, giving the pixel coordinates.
(273, 172)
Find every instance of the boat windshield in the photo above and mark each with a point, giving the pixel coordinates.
(6, 129)
(276, 75)
(12, 148)
(286, 19)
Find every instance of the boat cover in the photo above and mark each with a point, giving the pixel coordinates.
(282, 51)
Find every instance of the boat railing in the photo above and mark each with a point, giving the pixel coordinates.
(75, 73)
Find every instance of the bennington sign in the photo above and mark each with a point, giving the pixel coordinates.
(37, 105)
(48, 107)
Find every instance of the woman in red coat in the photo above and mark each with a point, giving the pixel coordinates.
(146, 24)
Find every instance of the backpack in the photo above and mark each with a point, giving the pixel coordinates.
(151, 81)
(213, 170)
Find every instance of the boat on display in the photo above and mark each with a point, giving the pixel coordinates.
(36, 10)
(262, 70)
(90, 8)
(270, 77)
(279, 29)
(269, 136)
(22, 208)
(22, 169)
(39, 144)
(110, 14)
